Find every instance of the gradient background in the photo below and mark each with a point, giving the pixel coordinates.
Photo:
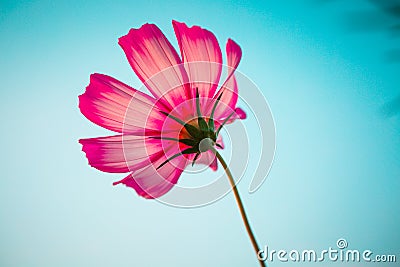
(329, 70)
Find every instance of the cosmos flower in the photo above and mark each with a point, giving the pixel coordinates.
(160, 134)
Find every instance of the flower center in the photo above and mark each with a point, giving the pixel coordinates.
(200, 135)
(192, 131)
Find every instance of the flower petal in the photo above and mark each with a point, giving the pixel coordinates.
(208, 158)
(227, 105)
(121, 153)
(214, 165)
(106, 101)
(156, 63)
(240, 113)
(220, 142)
(234, 55)
(152, 183)
(200, 49)
(229, 89)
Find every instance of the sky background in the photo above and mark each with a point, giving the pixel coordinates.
(330, 73)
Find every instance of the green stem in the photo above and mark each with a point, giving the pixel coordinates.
(241, 207)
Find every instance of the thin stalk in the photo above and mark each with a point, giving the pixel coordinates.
(240, 205)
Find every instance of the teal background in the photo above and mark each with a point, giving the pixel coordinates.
(329, 70)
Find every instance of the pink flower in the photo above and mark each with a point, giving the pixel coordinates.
(160, 135)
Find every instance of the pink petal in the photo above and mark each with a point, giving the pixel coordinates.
(229, 89)
(214, 165)
(152, 183)
(156, 63)
(234, 55)
(208, 158)
(105, 153)
(220, 141)
(200, 49)
(121, 153)
(227, 104)
(240, 113)
(107, 101)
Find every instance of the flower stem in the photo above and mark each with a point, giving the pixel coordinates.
(241, 207)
